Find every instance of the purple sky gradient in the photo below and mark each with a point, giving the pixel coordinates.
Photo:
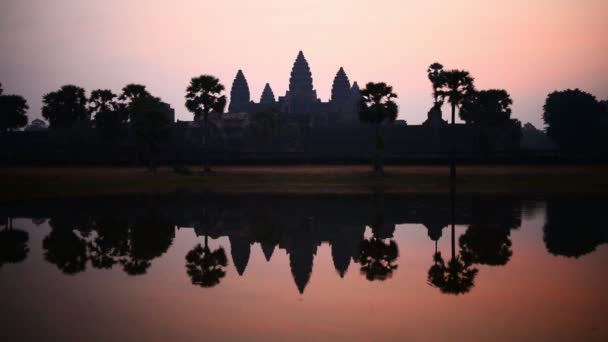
(529, 48)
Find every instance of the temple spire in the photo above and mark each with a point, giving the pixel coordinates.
(267, 95)
(340, 90)
(302, 95)
(239, 94)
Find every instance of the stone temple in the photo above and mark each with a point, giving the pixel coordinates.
(300, 102)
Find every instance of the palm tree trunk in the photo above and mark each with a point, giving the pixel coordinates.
(206, 242)
(378, 169)
(453, 149)
(452, 217)
(206, 167)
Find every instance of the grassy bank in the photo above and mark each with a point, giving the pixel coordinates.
(48, 182)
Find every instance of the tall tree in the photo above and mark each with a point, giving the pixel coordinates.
(435, 74)
(151, 125)
(129, 95)
(457, 85)
(107, 114)
(65, 107)
(12, 112)
(203, 96)
(573, 119)
(377, 106)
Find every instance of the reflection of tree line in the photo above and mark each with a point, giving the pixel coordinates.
(131, 236)
(105, 241)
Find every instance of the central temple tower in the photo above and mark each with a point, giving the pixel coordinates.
(301, 95)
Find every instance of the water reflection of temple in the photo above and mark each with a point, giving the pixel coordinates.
(131, 232)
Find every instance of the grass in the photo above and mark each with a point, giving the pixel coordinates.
(19, 183)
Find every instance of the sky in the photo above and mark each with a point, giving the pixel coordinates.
(528, 47)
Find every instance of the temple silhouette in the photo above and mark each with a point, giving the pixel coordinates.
(301, 99)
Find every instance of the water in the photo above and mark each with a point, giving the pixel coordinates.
(305, 268)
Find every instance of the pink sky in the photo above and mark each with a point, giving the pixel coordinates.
(528, 47)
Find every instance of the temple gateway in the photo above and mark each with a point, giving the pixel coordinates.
(300, 102)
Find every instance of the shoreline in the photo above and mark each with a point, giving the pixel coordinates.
(24, 183)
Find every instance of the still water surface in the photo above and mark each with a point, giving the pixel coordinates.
(305, 268)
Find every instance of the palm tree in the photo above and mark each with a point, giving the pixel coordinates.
(106, 112)
(456, 86)
(206, 267)
(203, 96)
(377, 106)
(435, 74)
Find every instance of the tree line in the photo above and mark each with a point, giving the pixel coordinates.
(574, 119)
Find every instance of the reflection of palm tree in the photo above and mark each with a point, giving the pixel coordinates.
(13, 244)
(457, 277)
(377, 258)
(206, 267)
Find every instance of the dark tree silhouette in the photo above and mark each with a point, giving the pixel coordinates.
(435, 74)
(486, 246)
(203, 96)
(573, 120)
(13, 244)
(573, 229)
(377, 106)
(206, 268)
(12, 112)
(151, 125)
(108, 116)
(487, 240)
(64, 246)
(130, 94)
(107, 240)
(485, 107)
(65, 107)
(148, 238)
(457, 86)
(377, 258)
(111, 241)
(457, 277)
